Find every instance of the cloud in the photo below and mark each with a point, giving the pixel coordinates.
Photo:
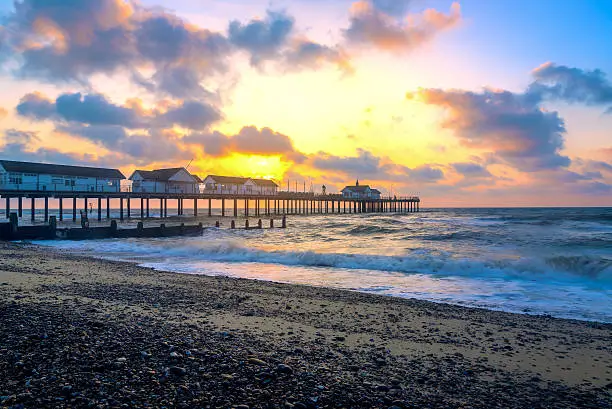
(15, 136)
(573, 85)
(376, 23)
(263, 39)
(275, 39)
(96, 109)
(250, 140)
(155, 146)
(311, 55)
(425, 174)
(372, 167)
(73, 40)
(364, 163)
(511, 125)
(397, 8)
(191, 115)
(471, 170)
(36, 106)
(3, 113)
(17, 145)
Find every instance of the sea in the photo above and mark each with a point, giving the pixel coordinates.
(544, 261)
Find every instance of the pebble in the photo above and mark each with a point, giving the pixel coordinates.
(284, 369)
(177, 371)
(257, 361)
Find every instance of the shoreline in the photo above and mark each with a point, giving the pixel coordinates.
(345, 347)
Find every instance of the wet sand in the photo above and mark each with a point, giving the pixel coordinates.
(81, 332)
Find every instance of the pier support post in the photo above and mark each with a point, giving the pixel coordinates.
(142, 208)
(161, 208)
(33, 209)
(195, 207)
(209, 207)
(74, 206)
(46, 209)
(20, 206)
(121, 208)
(147, 207)
(99, 209)
(129, 207)
(222, 207)
(235, 207)
(85, 200)
(8, 207)
(165, 208)
(108, 207)
(61, 209)
(246, 207)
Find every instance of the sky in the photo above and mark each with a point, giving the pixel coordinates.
(466, 103)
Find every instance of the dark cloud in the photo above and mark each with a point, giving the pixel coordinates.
(425, 174)
(250, 140)
(17, 145)
(372, 167)
(396, 8)
(513, 126)
(95, 109)
(573, 85)
(36, 106)
(15, 136)
(263, 39)
(155, 146)
(191, 115)
(364, 163)
(471, 170)
(71, 40)
(375, 23)
(307, 54)
(605, 166)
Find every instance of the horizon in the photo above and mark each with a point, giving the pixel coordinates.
(445, 98)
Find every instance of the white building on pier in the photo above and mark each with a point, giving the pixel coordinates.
(173, 180)
(31, 176)
(360, 192)
(214, 184)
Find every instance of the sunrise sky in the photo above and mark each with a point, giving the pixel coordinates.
(468, 103)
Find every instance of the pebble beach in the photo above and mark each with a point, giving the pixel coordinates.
(82, 332)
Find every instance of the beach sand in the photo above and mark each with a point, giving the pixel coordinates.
(81, 332)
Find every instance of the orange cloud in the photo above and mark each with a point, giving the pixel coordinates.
(370, 25)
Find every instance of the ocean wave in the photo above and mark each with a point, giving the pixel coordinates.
(554, 268)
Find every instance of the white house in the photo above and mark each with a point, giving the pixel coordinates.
(214, 184)
(174, 180)
(360, 192)
(57, 178)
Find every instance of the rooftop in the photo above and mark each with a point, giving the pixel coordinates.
(63, 170)
(162, 174)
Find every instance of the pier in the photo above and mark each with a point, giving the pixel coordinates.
(134, 205)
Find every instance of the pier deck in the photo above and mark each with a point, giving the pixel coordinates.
(283, 203)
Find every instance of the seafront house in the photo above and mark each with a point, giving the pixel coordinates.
(215, 184)
(31, 176)
(360, 192)
(173, 180)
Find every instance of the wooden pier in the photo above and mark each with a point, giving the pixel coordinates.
(140, 205)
